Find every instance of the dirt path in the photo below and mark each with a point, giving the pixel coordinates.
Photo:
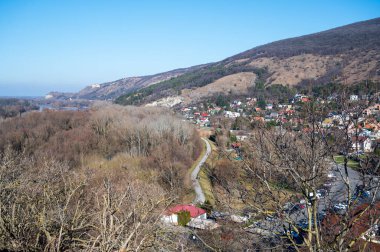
(199, 195)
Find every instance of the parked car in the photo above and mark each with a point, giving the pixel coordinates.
(304, 202)
(321, 193)
(320, 217)
(301, 206)
(340, 206)
(360, 195)
(327, 184)
(303, 224)
(331, 175)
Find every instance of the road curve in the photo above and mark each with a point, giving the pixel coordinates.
(199, 195)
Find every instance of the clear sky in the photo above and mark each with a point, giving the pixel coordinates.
(69, 44)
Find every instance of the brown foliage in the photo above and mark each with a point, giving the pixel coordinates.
(64, 186)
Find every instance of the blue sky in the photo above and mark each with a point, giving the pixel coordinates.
(66, 45)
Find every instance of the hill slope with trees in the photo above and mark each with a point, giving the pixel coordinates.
(347, 55)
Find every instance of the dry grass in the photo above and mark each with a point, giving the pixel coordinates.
(131, 166)
(206, 133)
(256, 197)
(234, 83)
(361, 68)
(294, 69)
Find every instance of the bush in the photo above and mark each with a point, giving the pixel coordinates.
(183, 218)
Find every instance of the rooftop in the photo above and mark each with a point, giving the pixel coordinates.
(193, 210)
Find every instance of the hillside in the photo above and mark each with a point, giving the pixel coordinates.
(347, 54)
(65, 172)
(113, 89)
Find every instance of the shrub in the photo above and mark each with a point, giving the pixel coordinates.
(183, 218)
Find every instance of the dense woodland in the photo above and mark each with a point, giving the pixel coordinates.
(93, 180)
(11, 107)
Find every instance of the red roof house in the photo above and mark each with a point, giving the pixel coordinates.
(196, 213)
(193, 210)
(198, 217)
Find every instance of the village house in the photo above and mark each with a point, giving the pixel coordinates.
(268, 118)
(204, 122)
(258, 119)
(301, 98)
(269, 106)
(361, 143)
(237, 103)
(327, 123)
(289, 112)
(231, 114)
(372, 110)
(251, 102)
(204, 114)
(285, 106)
(198, 217)
(273, 114)
(305, 99)
(171, 215)
(214, 111)
(354, 97)
(241, 135)
(365, 97)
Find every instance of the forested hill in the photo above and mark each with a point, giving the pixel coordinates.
(357, 36)
(347, 54)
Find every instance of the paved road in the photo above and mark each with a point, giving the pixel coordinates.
(338, 190)
(337, 193)
(200, 196)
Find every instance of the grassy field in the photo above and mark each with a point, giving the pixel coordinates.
(351, 163)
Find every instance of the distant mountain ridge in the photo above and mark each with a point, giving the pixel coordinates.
(347, 54)
(113, 89)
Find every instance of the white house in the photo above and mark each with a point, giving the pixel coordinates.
(362, 143)
(354, 97)
(231, 114)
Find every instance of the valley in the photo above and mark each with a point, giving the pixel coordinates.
(275, 148)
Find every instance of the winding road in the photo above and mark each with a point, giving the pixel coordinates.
(199, 195)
